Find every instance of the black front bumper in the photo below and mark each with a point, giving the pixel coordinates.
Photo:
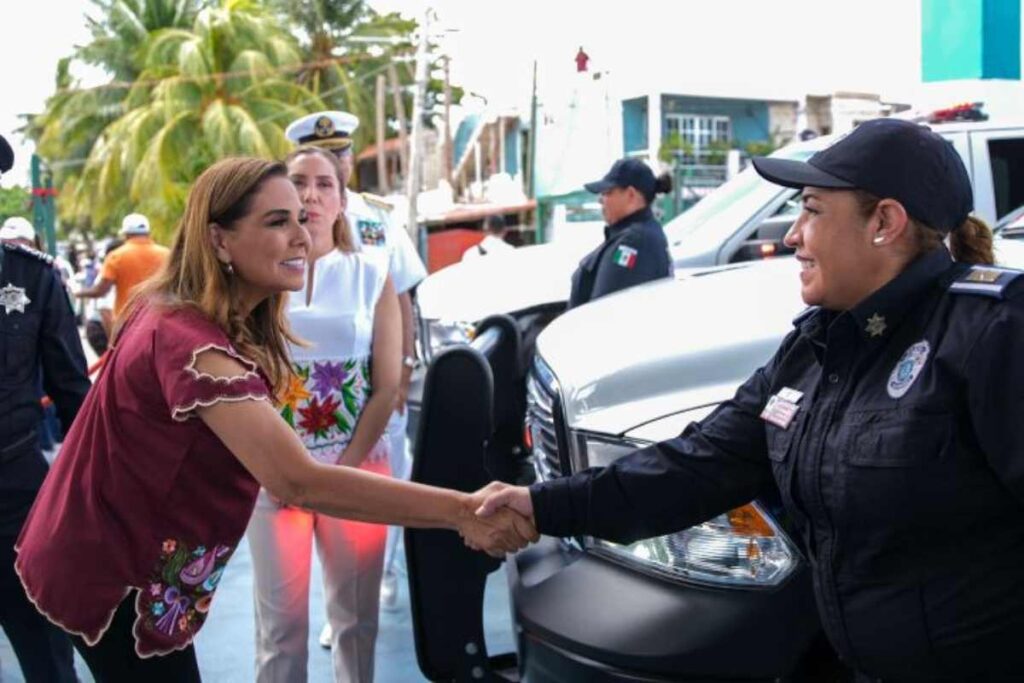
(579, 617)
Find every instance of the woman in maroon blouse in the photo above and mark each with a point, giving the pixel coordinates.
(130, 533)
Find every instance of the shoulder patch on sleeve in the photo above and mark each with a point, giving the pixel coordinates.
(377, 201)
(371, 233)
(625, 256)
(44, 257)
(985, 281)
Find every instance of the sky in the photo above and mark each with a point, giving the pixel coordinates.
(757, 48)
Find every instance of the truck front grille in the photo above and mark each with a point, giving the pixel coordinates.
(541, 395)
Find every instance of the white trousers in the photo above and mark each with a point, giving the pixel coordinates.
(352, 557)
(401, 468)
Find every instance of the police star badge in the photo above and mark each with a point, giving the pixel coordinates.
(876, 325)
(13, 299)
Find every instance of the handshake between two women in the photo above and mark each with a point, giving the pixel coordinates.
(500, 521)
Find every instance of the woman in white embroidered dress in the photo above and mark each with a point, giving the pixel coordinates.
(339, 403)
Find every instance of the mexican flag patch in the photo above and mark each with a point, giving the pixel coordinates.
(625, 256)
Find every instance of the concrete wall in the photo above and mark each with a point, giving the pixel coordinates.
(782, 122)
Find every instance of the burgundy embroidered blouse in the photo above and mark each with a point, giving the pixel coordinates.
(144, 496)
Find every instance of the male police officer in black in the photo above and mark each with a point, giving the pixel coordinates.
(634, 250)
(37, 334)
(890, 420)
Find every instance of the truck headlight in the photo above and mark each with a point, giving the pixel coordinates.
(443, 333)
(744, 547)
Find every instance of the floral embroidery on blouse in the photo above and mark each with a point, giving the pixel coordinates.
(324, 400)
(177, 597)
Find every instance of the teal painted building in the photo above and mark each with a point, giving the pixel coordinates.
(703, 125)
(970, 39)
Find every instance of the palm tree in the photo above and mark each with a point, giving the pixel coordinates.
(341, 67)
(73, 119)
(224, 86)
(121, 29)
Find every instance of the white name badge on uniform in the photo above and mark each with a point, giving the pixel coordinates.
(782, 407)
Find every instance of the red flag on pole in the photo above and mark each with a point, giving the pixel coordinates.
(581, 60)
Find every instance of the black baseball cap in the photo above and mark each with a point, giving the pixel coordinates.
(890, 158)
(6, 156)
(626, 173)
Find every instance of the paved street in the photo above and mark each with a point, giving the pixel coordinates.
(226, 646)
(226, 649)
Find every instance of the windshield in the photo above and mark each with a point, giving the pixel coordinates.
(729, 207)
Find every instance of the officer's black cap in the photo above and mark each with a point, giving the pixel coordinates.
(626, 173)
(889, 158)
(6, 156)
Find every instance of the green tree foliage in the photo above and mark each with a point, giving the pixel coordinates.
(224, 86)
(345, 46)
(192, 81)
(759, 148)
(674, 148)
(15, 201)
(73, 119)
(121, 30)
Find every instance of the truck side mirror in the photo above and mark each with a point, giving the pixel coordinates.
(766, 241)
(447, 579)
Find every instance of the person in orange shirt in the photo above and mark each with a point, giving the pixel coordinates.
(128, 265)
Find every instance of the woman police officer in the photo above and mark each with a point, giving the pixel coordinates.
(889, 419)
(634, 250)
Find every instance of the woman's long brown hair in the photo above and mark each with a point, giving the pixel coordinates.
(194, 277)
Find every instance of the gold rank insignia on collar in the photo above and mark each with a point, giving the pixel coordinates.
(983, 275)
(985, 281)
(876, 325)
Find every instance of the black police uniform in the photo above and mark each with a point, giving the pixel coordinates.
(37, 334)
(634, 251)
(895, 436)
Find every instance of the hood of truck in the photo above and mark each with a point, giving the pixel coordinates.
(639, 355)
(1009, 252)
(523, 278)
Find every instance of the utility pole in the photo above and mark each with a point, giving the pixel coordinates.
(448, 124)
(382, 164)
(42, 203)
(416, 146)
(396, 95)
(531, 162)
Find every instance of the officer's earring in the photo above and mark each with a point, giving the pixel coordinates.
(878, 239)
(229, 269)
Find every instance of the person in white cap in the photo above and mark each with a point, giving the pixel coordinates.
(369, 218)
(130, 265)
(18, 230)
